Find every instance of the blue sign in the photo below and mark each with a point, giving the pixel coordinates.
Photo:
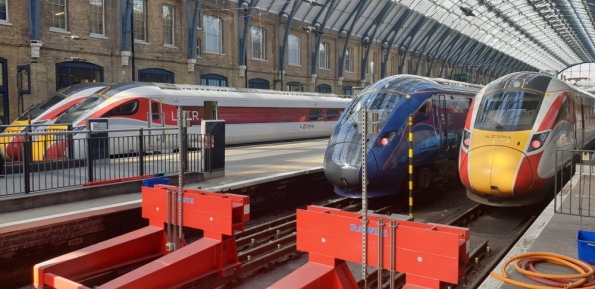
(371, 230)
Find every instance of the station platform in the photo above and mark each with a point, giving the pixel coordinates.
(244, 165)
(555, 230)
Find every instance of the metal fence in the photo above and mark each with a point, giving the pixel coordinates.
(573, 183)
(41, 161)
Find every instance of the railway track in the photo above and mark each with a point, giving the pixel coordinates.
(263, 247)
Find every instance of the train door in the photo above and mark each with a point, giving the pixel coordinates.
(155, 119)
(440, 122)
(581, 126)
(211, 110)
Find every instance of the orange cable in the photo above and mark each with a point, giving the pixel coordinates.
(584, 270)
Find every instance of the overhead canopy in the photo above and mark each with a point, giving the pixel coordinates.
(499, 35)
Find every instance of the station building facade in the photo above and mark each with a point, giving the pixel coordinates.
(65, 42)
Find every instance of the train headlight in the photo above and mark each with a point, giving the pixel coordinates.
(386, 138)
(466, 139)
(537, 141)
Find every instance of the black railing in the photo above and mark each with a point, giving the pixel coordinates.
(40, 161)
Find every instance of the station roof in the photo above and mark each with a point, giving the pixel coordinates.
(542, 34)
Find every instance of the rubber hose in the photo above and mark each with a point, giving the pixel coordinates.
(584, 270)
(559, 283)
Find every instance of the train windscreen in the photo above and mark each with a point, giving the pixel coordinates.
(41, 107)
(78, 110)
(384, 102)
(508, 111)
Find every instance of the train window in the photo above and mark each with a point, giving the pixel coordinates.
(382, 101)
(332, 114)
(127, 108)
(78, 110)
(41, 107)
(564, 111)
(315, 114)
(508, 110)
(155, 110)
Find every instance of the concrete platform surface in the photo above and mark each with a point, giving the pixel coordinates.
(554, 231)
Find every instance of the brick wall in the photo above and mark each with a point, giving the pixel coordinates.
(105, 51)
(21, 250)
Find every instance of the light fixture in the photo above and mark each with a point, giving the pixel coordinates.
(467, 11)
(313, 2)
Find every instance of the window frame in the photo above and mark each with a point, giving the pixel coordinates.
(258, 48)
(208, 79)
(7, 20)
(91, 33)
(171, 26)
(218, 34)
(324, 50)
(145, 38)
(53, 15)
(293, 50)
(348, 60)
(324, 88)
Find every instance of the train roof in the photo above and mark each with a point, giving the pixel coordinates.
(538, 82)
(76, 88)
(410, 84)
(150, 89)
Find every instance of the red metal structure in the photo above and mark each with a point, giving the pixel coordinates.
(430, 255)
(218, 215)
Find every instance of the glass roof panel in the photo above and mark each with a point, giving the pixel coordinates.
(545, 34)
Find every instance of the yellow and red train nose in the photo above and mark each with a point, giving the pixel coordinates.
(12, 146)
(499, 171)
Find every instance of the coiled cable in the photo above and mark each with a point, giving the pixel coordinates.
(583, 279)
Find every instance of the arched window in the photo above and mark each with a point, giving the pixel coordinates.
(294, 86)
(348, 63)
(73, 72)
(258, 43)
(259, 83)
(324, 55)
(156, 75)
(347, 90)
(213, 34)
(323, 88)
(294, 49)
(213, 80)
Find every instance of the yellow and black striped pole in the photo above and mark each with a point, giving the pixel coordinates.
(410, 124)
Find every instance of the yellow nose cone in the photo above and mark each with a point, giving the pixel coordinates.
(493, 170)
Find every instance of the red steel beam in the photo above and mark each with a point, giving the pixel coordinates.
(427, 253)
(218, 215)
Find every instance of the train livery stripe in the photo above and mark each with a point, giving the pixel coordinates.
(469, 116)
(550, 117)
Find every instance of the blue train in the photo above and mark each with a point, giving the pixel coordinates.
(439, 109)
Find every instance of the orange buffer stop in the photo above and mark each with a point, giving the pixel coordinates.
(430, 255)
(167, 264)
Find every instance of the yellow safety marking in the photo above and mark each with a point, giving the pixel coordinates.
(277, 167)
(410, 153)
(43, 142)
(410, 201)
(411, 169)
(410, 136)
(4, 140)
(411, 185)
